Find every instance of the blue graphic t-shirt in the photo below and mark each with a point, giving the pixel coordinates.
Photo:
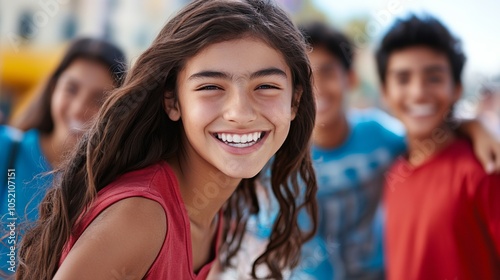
(21, 195)
(348, 244)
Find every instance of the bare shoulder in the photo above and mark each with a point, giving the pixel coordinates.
(122, 242)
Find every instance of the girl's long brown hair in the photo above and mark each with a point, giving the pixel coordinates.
(133, 131)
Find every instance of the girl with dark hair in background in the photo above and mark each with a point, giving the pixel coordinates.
(50, 129)
(164, 182)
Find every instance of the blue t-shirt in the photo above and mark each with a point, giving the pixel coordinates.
(348, 244)
(25, 189)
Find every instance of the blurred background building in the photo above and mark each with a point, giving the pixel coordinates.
(33, 34)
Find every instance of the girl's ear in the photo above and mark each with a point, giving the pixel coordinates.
(172, 107)
(296, 101)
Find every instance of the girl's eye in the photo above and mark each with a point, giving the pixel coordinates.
(210, 87)
(71, 89)
(267, 87)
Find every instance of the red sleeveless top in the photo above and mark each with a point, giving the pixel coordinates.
(156, 182)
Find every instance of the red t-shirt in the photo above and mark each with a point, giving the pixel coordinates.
(443, 218)
(158, 183)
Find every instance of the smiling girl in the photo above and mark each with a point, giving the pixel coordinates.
(162, 185)
(52, 126)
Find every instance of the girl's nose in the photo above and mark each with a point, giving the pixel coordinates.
(239, 108)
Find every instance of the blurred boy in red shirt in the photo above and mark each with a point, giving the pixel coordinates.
(443, 210)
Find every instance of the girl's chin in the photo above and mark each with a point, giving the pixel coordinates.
(244, 173)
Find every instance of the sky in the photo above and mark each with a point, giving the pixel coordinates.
(477, 23)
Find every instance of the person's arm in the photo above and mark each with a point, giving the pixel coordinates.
(121, 243)
(486, 147)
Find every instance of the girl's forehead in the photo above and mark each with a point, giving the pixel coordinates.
(246, 38)
(239, 49)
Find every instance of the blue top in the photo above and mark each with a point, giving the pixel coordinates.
(22, 194)
(348, 243)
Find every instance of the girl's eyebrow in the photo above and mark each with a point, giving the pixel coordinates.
(224, 75)
(210, 74)
(268, 72)
(69, 79)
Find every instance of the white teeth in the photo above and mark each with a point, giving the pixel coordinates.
(240, 139)
(240, 145)
(421, 110)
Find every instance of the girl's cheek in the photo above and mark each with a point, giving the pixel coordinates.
(281, 109)
(201, 110)
(58, 103)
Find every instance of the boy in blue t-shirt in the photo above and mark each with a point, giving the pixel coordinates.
(351, 151)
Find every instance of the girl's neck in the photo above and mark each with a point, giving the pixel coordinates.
(421, 149)
(203, 190)
(332, 136)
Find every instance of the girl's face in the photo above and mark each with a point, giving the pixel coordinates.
(235, 102)
(77, 97)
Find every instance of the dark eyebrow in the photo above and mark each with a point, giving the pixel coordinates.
(399, 72)
(224, 75)
(430, 68)
(210, 74)
(268, 72)
(435, 68)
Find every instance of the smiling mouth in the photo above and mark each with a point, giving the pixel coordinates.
(423, 110)
(240, 140)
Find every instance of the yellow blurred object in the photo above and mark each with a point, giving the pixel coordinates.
(22, 72)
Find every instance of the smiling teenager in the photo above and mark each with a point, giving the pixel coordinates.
(443, 215)
(163, 184)
(52, 126)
